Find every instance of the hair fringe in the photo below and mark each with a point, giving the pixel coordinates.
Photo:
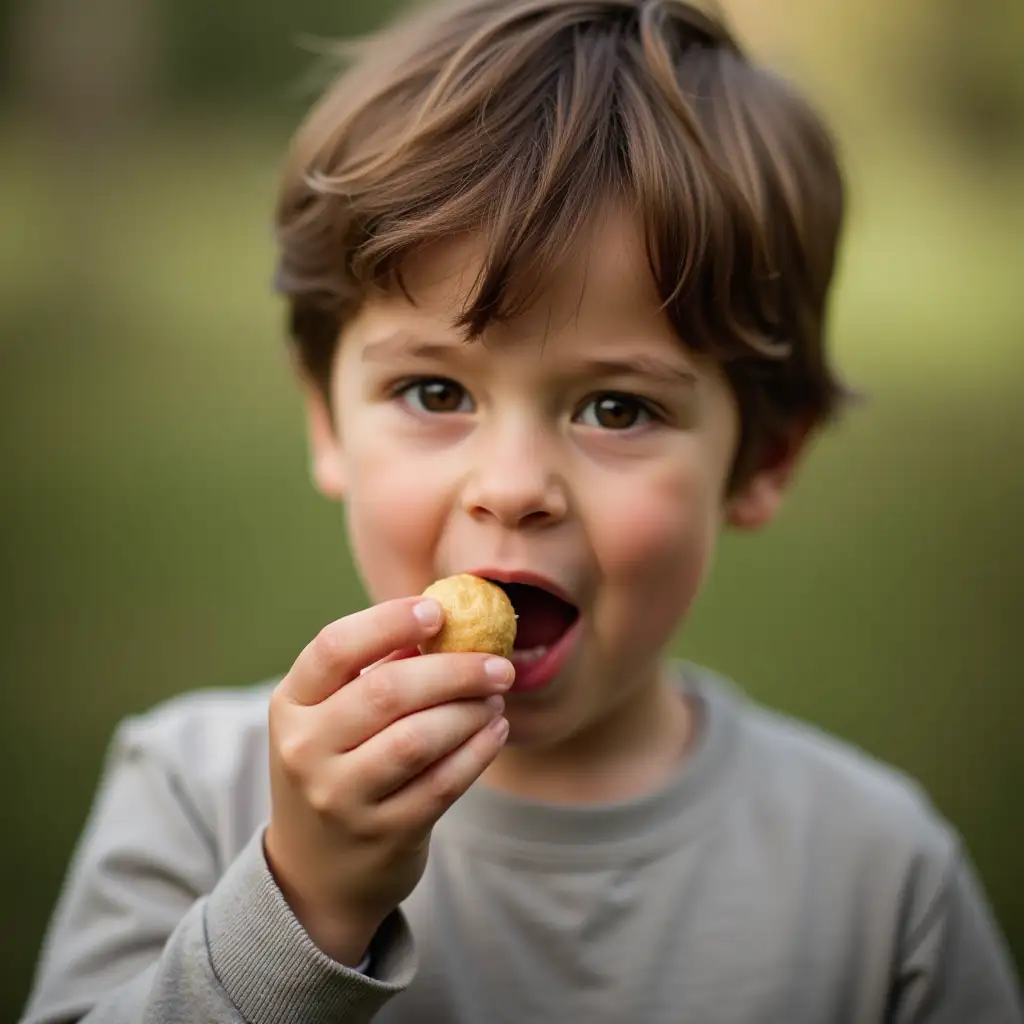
(520, 119)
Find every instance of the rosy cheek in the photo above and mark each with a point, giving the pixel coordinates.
(654, 542)
(392, 521)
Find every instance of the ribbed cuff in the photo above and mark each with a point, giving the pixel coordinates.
(272, 970)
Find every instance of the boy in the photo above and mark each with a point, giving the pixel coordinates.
(557, 273)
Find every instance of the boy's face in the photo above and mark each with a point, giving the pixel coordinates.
(581, 444)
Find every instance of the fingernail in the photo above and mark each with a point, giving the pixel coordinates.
(496, 703)
(499, 671)
(500, 728)
(428, 612)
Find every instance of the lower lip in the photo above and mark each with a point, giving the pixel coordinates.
(541, 673)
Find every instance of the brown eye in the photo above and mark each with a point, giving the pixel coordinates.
(615, 412)
(438, 395)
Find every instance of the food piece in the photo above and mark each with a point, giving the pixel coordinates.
(478, 616)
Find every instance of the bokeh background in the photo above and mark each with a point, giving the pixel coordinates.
(157, 530)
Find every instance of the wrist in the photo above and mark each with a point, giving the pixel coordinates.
(345, 941)
(342, 935)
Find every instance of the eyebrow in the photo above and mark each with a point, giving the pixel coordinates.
(642, 366)
(404, 343)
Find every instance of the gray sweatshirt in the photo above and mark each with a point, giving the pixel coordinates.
(780, 877)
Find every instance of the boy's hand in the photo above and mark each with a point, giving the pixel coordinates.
(368, 747)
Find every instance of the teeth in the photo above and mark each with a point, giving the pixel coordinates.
(530, 655)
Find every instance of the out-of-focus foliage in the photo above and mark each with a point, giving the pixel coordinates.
(957, 65)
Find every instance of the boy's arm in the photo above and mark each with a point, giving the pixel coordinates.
(955, 967)
(146, 933)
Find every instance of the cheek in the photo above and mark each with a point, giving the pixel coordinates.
(654, 542)
(391, 508)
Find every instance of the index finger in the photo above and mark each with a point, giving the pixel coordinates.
(342, 649)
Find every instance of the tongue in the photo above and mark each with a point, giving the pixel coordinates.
(543, 618)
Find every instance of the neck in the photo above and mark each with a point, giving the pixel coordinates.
(629, 752)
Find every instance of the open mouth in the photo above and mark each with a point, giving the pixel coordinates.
(543, 619)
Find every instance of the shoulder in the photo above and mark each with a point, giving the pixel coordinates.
(210, 748)
(849, 803)
(886, 875)
(199, 726)
(864, 834)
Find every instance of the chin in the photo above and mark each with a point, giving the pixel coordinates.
(530, 733)
(546, 718)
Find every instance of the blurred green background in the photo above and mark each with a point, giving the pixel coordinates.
(158, 532)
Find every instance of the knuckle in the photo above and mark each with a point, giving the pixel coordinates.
(407, 747)
(330, 793)
(468, 672)
(364, 826)
(322, 797)
(295, 753)
(483, 713)
(444, 788)
(331, 644)
(381, 693)
(474, 715)
(278, 704)
(331, 797)
(277, 719)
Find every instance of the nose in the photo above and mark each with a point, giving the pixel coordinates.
(515, 480)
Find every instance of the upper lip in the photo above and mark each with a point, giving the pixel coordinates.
(533, 579)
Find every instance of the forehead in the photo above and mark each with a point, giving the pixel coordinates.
(604, 279)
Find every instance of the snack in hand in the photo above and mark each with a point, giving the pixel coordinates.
(478, 616)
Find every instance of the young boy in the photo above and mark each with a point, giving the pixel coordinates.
(557, 272)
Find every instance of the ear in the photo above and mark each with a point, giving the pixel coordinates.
(325, 451)
(757, 501)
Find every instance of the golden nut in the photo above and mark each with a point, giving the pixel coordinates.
(478, 616)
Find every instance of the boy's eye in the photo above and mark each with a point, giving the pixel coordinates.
(437, 395)
(612, 411)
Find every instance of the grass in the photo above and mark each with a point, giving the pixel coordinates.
(160, 534)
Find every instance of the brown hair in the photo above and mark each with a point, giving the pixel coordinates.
(521, 117)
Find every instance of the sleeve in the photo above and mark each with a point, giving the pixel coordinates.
(145, 932)
(955, 966)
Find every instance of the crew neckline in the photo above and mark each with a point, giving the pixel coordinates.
(502, 822)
